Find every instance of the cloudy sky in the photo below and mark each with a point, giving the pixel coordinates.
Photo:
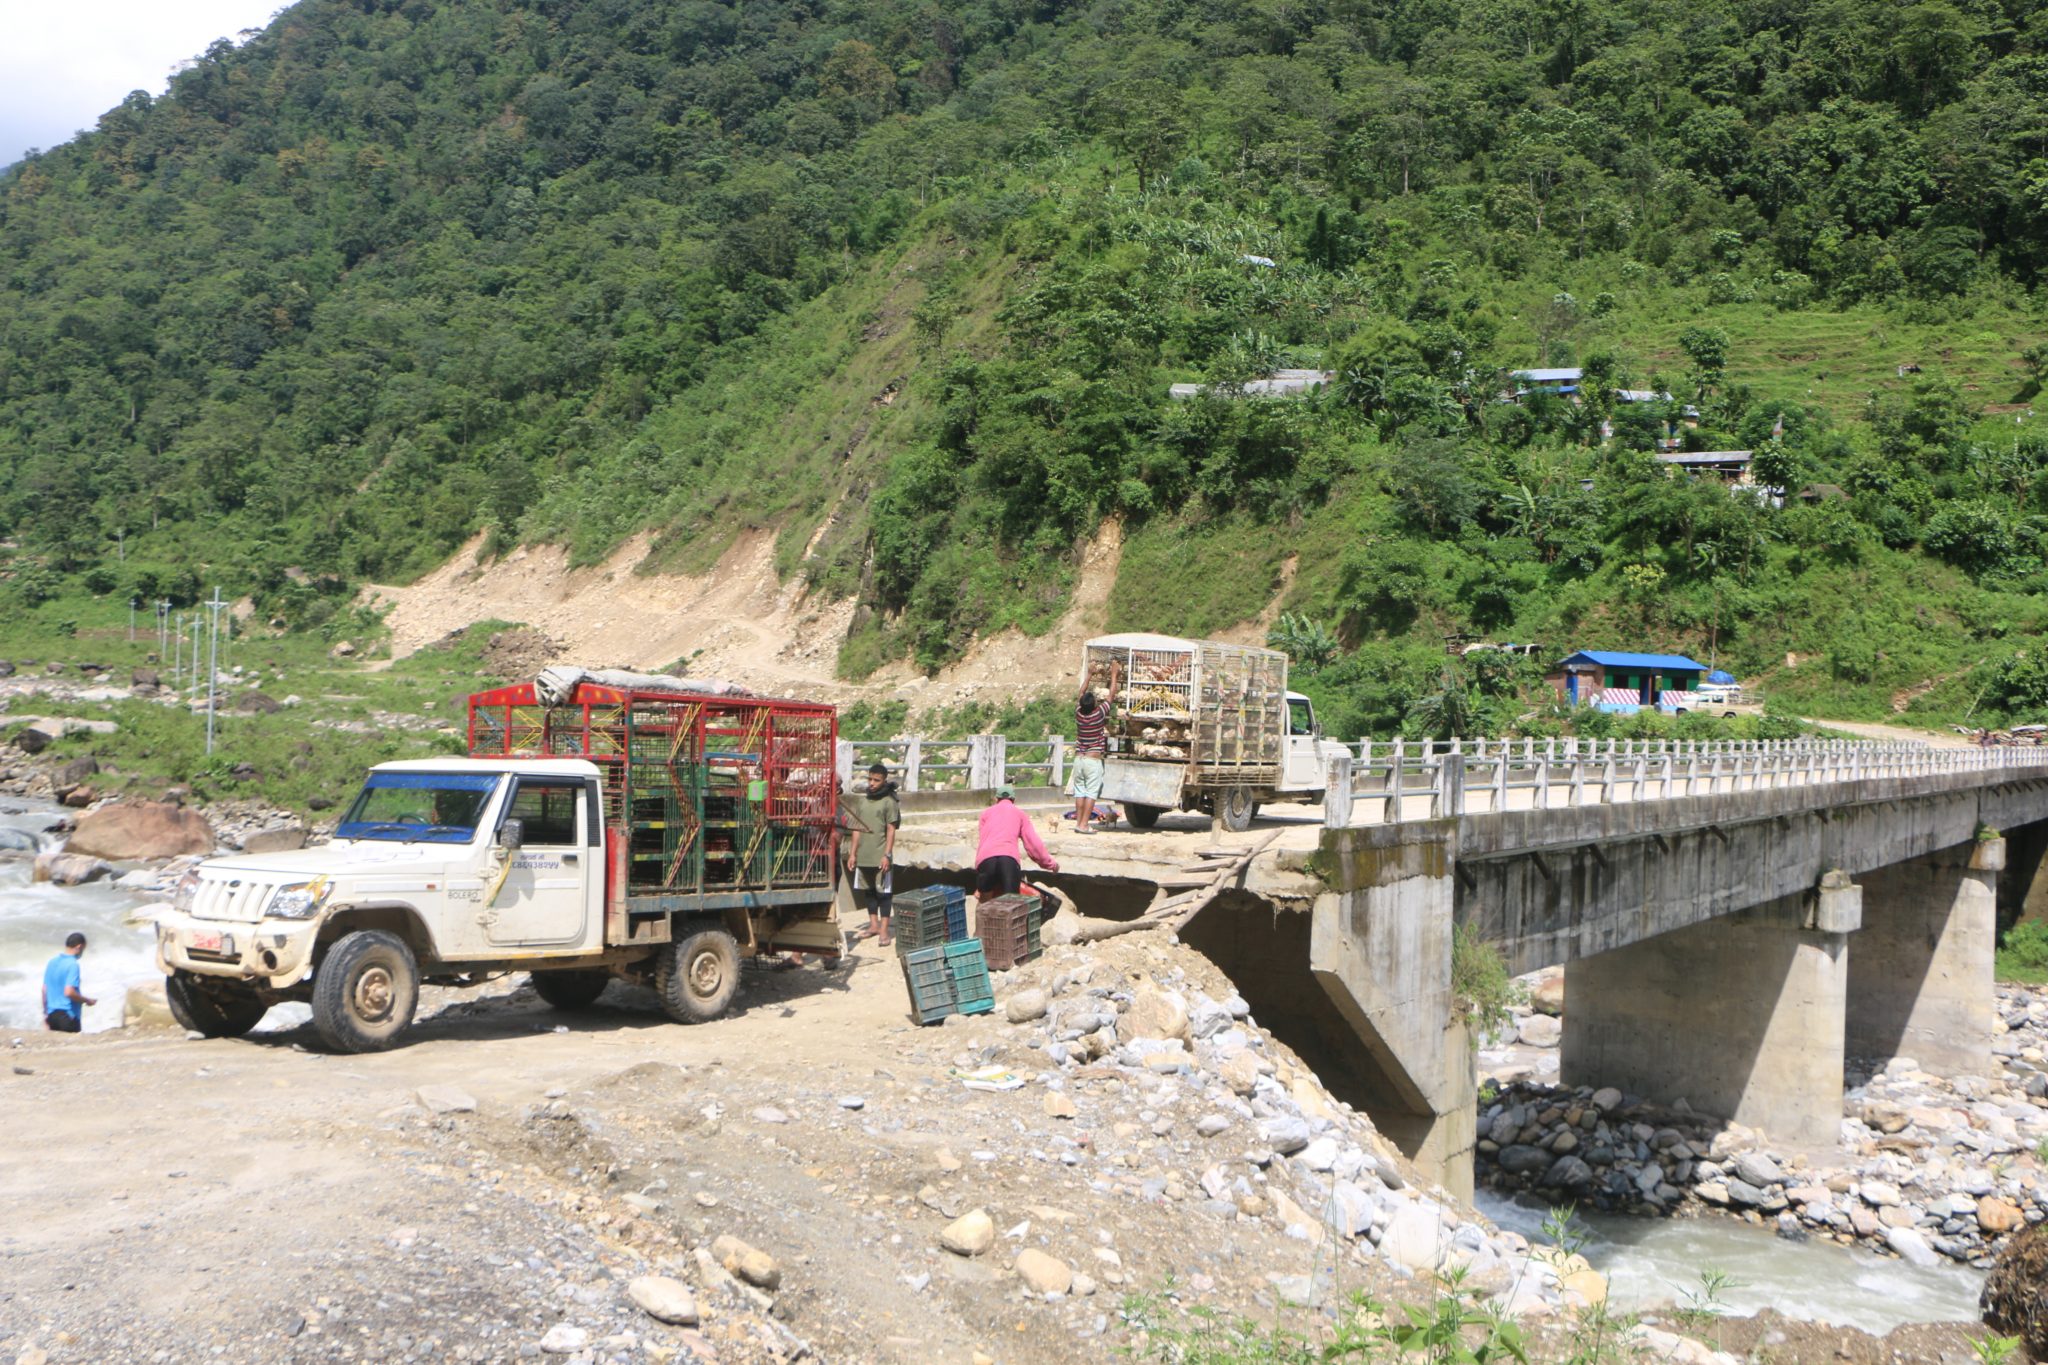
(63, 63)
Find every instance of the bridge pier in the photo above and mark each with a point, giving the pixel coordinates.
(1380, 946)
(1921, 978)
(1742, 1017)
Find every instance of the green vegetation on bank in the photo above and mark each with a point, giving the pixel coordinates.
(904, 286)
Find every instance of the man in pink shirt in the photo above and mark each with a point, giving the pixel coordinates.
(996, 869)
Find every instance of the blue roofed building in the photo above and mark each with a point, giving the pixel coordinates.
(1616, 681)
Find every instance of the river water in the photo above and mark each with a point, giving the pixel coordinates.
(34, 920)
(1654, 1262)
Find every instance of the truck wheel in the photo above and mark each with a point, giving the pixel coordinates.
(1141, 817)
(218, 1010)
(1236, 807)
(571, 990)
(697, 978)
(365, 991)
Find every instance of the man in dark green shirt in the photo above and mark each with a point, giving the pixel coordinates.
(872, 817)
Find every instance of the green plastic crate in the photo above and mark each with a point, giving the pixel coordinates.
(973, 992)
(929, 975)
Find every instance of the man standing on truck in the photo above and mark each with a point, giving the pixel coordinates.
(1091, 747)
(63, 1002)
(996, 869)
(872, 816)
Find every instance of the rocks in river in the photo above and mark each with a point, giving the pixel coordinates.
(136, 830)
(60, 868)
(1929, 1166)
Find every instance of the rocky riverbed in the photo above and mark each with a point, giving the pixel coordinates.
(1929, 1166)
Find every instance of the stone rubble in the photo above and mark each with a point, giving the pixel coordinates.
(1203, 1108)
(1930, 1167)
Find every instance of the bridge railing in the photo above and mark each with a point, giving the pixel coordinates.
(1396, 782)
(974, 763)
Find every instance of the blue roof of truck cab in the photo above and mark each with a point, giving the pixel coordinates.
(1668, 662)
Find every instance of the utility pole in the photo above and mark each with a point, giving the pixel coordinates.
(178, 652)
(163, 630)
(133, 603)
(213, 666)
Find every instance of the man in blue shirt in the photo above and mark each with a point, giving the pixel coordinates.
(63, 1002)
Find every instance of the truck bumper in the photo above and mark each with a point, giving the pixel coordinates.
(278, 952)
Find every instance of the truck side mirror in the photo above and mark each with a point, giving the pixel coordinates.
(512, 833)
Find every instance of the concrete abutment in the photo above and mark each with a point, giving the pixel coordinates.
(1380, 946)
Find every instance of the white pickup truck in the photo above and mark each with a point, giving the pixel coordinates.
(447, 871)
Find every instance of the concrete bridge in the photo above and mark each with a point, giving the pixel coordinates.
(1734, 919)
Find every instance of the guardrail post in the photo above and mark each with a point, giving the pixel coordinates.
(1337, 792)
(1578, 793)
(1449, 802)
(1396, 771)
(842, 762)
(984, 762)
(913, 763)
(1056, 760)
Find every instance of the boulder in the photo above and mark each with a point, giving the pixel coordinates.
(145, 679)
(257, 704)
(1025, 1006)
(1546, 992)
(2015, 1297)
(70, 776)
(664, 1299)
(754, 1266)
(1154, 1013)
(1414, 1237)
(130, 831)
(279, 839)
(1911, 1246)
(1539, 1030)
(1043, 1274)
(969, 1235)
(1240, 1071)
(1521, 1159)
(1758, 1169)
(343, 650)
(61, 868)
(1996, 1217)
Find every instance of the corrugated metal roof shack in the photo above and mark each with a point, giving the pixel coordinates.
(1625, 682)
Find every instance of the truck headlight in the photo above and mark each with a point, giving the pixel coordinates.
(298, 900)
(187, 893)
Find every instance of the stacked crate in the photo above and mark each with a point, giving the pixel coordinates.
(1007, 928)
(947, 978)
(928, 916)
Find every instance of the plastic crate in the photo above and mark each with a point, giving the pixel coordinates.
(929, 975)
(1008, 930)
(973, 992)
(928, 916)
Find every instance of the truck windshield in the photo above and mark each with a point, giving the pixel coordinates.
(440, 808)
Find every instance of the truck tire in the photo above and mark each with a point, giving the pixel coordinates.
(224, 1009)
(572, 990)
(365, 991)
(698, 977)
(1234, 805)
(1141, 817)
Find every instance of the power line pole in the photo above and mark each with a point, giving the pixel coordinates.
(213, 666)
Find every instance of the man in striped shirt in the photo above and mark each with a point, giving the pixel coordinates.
(1091, 746)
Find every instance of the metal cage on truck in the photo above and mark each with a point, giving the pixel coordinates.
(712, 803)
(1219, 708)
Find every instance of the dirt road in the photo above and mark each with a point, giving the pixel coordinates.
(163, 1199)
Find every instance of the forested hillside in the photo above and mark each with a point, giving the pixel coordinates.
(908, 282)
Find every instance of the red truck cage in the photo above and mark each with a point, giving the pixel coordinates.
(712, 802)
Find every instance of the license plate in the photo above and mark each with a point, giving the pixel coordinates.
(203, 942)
